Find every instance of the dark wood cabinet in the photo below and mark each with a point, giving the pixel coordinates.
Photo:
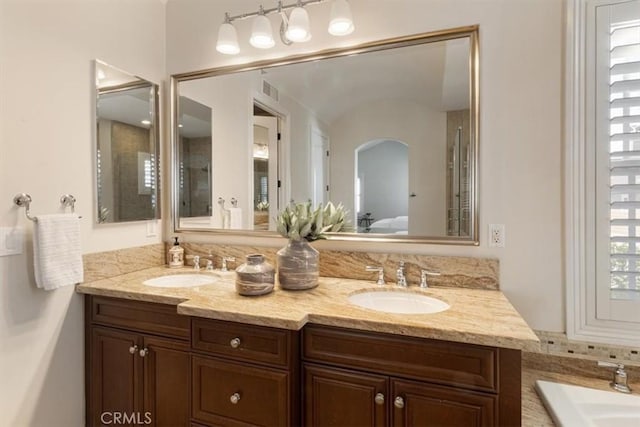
(167, 383)
(135, 378)
(340, 397)
(114, 371)
(155, 367)
(244, 375)
(424, 404)
(380, 379)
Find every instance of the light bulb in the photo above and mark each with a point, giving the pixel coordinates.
(227, 40)
(298, 27)
(341, 22)
(261, 33)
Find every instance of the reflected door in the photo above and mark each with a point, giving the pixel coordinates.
(265, 171)
(319, 167)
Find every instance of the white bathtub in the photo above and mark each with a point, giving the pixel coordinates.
(573, 406)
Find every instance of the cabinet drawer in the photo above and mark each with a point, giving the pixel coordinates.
(140, 316)
(243, 342)
(260, 394)
(464, 365)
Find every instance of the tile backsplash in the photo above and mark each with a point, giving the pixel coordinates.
(556, 343)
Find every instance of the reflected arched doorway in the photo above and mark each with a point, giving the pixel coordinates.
(382, 186)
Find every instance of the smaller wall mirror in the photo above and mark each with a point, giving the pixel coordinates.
(127, 146)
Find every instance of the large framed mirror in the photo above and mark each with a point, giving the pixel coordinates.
(389, 129)
(127, 146)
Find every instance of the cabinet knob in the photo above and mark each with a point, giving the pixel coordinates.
(235, 343)
(399, 402)
(133, 349)
(379, 399)
(235, 398)
(144, 352)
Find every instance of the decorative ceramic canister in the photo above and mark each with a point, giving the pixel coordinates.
(255, 276)
(298, 266)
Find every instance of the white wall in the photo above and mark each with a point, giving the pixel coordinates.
(46, 149)
(383, 170)
(424, 130)
(520, 120)
(231, 100)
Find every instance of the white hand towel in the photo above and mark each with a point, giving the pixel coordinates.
(235, 218)
(57, 258)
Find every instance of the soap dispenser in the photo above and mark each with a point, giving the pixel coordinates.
(176, 255)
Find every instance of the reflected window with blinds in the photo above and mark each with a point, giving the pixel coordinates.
(617, 127)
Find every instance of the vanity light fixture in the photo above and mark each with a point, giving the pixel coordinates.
(341, 22)
(227, 38)
(298, 29)
(261, 32)
(294, 28)
(146, 122)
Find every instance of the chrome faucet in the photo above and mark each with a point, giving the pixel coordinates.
(619, 381)
(225, 260)
(401, 280)
(196, 262)
(423, 277)
(209, 265)
(380, 271)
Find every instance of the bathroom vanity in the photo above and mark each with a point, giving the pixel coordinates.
(203, 357)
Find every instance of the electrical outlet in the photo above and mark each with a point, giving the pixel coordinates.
(152, 228)
(496, 236)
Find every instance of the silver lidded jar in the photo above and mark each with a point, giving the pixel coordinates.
(255, 276)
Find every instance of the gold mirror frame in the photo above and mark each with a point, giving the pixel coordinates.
(470, 31)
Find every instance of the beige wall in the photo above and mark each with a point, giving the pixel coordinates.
(46, 149)
(520, 120)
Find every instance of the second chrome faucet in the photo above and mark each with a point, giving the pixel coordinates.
(401, 275)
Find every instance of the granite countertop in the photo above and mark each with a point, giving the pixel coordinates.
(476, 316)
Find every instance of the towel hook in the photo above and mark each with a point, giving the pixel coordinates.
(234, 202)
(221, 202)
(23, 200)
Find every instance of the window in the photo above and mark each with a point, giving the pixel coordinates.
(603, 171)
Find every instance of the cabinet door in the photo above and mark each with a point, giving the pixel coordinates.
(340, 397)
(116, 386)
(422, 404)
(166, 381)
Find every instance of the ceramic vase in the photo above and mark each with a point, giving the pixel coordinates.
(255, 276)
(298, 266)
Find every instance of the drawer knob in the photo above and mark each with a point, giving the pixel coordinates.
(235, 343)
(144, 352)
(379, 399)
(399, 402)
(235, 398)
(133, 349)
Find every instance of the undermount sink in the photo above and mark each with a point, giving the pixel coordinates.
(181, 280)
(398, 302)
